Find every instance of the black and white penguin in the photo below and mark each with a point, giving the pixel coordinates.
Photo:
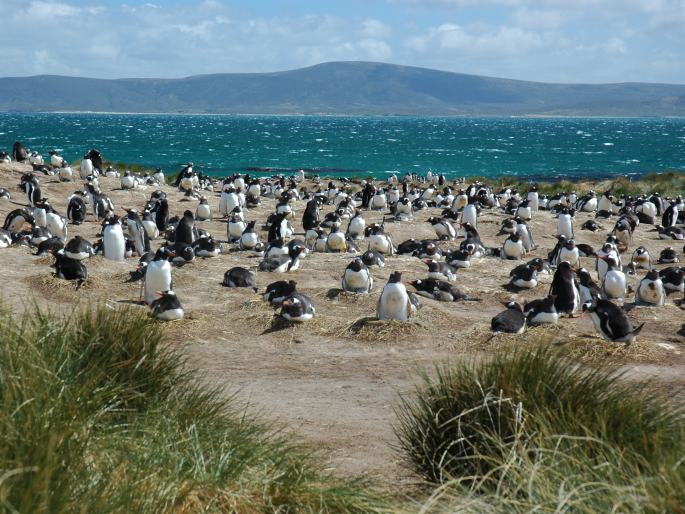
(512, 248)
(440, 270)
(19, 153)
(69, 269)
(356, 226)
(670, 216)
(670, 233)
(589, 290)
(565, 290)
(458, 259)
(357, 277)
(182, 254)
(614, 282)
(379, 241)
(207, 247)
(640, 259)
(186, 232)
(79, 249)
(157, 275)
(5, 194)
(443, 228)
(372, 258)
(510, 321)
(6, 238)
(394, 302)
(440, 290)
(48, 246)
(611, 321)
(31, 186)
(565, 224)
(541, 311)
(590, 225)
(39, 234)
(203, 211)
(673, 278)
(278, 291)
(283, 263)
(650, 290)
(113, 242)
(166, 307)
(76, 209)
(297, 308)
(136, 232)
(240, 277)
(16, 219)
(524, 276)
(524, 211)
(667, 256)
(569, 252)
(336, 241)
(310, 217)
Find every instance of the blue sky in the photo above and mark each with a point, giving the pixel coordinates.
(545, 40)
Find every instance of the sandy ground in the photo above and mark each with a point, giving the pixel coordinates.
(335, 381)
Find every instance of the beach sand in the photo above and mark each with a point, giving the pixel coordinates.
(335, 380)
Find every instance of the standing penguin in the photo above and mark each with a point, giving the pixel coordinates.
(157, 275)
(137, 233)
(76, 209)
(113, 241)
(565, 290)
(203, 211)
(614, 281)
(533, 199)
(565, 224)
(512, 248)
(186, 232)
(651, 290)
(611, 321)
(394, 302)
(470, 215)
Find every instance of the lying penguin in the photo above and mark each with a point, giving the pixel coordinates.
(440, 290)
(611, 321)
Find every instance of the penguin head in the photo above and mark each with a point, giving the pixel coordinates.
(395, 277)
(356, 265)
(570, 244)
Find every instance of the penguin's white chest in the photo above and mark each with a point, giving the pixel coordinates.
(157, 278)
(115, 246)
(615, 284)
(565, 226)
(393, 303)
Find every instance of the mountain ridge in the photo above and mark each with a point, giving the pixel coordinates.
(340, 88)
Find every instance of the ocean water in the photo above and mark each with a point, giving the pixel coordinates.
(221, 144)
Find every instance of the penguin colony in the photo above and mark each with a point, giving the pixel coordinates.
(329, 217)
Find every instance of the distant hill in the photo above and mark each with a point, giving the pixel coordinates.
(341, 88)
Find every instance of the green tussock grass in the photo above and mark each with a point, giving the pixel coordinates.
(96, 415)
(534, 431)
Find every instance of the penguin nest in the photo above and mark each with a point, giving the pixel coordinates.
(264, 318)
(46, 260)
(58, 290)
(377, 331)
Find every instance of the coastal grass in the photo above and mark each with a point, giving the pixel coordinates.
(97, 415)
(528, 431)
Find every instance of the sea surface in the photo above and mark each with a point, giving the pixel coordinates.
(535, 148)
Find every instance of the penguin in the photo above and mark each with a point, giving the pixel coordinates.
(458, 259)
(5, 194)
(608, 250)
(240, 277)
(79, 249)
(19, 153)
(56, 159)
(51, 245)
(166, 307)
(310, 217)
(512, 249)
(408, 246)
(235, 228)
(614, 280)
(670, 233)
(670, 216)
(182, 254)
(356, 226)
(206, 247)
(276, 248)
(667, 256)
(69, 269)
(372, 258)
(587, 203)
(394, 302)
(379, 241)
(588, 288)
(470, 216)
(157, 275)
(565, 290)
(357, 277)
(611, 321)
(533, 199)
(640, 259)
(158, 175)
(443, 228)
(525, 276)
(280, 227)
(229, 200)
(427, 250)
(524, 211)
(16, 219)
(30, 185)
(6, 238)
(39, 234)
(650, 290)
(510, 321)
(149, 225)
(673, 278)
(379, 201)
(283, 263)
(565, 224)
(297, 308)
(541, 311)
(160, 211)
(404, 210)
(526, 235)
(136, 232)
(65, 174)
(278, 291)
(440, 290)
(203, 212)
(585, 250)
(128, 181)
(185, 230)
(569, 253)
(336, 242)
(76, 209)
(590, 225)
(113, 241)
(440, 270)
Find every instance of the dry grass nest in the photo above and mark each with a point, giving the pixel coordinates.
(374, 330)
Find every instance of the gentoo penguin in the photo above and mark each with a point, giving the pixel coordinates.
(404, 210)
(524, 276)
(240, 277)
(298, 308)
(440, 290)
(611, 321)
(203, 212)
(585, 250)
(472, 241)
(69, 269)
(373, 258)
(587, 203)
(673, 278)
(185, 230)
(458, 259)
(670, 233)
(166, 307)
(48, 246)
(667, 255)
(379, 241)
(207, 247)
(182, 254)
(113, 242)
(524, 211)
(565, 290)
(356, 226)
(150, 225)
(614, 280)
(19, 153)
(336, 242)
(608, 250)
(79, 249)
(670, 215)
(137, 233)
(640, 259)
(512, 248)
(321, 242)
(590, 225)
(65, 174)
(39, 234)
(16, 219)
(283, 263)
(533, 199)
(510, 321)
(310, 217)
(470, 215)
(588, 288)
(229, 200)
(443, 228)
(85, 168)
(394, 302)
(541, 311)
(30, 185)
(157, 275)
(5, 194)
(128, 181)
(569, 253)
(6, 238)
(357, 277)
(280, 227)
(439, 270)
(427, 249)
(158, 175)
(277, 291)
(651, 290)
(379, 201)
(565, 224)
(76, 209)
(235, 227)
(56, 159)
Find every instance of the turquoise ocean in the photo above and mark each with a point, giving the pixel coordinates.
(534, 148)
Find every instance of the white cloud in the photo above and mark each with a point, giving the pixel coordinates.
(375, 29)
(49, 10)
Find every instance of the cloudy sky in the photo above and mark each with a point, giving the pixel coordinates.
(545, 40)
